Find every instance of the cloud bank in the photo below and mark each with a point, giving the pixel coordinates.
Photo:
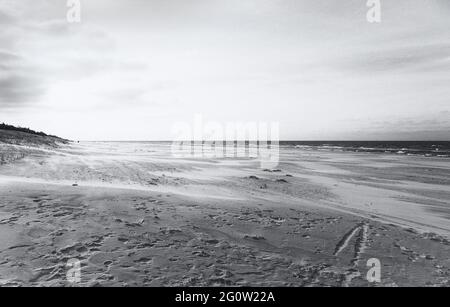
(316, 67)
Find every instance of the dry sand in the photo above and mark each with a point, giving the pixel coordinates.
(134, 215)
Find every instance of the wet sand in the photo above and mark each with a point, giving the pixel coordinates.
(134, 215)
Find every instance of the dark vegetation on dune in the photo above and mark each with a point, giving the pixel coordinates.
(4, 126)
(24, 136)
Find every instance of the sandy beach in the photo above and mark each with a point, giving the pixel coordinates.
(306, 144)
(134, 215)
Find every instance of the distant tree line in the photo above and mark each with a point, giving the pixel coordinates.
(4, 126)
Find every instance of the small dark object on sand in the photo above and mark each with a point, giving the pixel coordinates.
(253, 177)
(271, 170)
(75, 185)
(254, 237)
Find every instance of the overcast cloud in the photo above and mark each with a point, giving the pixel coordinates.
(131, 69)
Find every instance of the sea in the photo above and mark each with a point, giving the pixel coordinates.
(422, 148)
(439, 149)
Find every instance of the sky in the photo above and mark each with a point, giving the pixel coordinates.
(134, 69)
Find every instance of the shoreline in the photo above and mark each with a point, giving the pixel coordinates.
(134, 215)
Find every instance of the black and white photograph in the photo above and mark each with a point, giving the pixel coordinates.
(224, 145)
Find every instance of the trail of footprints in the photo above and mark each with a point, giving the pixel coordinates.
(139, 248)
(359, 234)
